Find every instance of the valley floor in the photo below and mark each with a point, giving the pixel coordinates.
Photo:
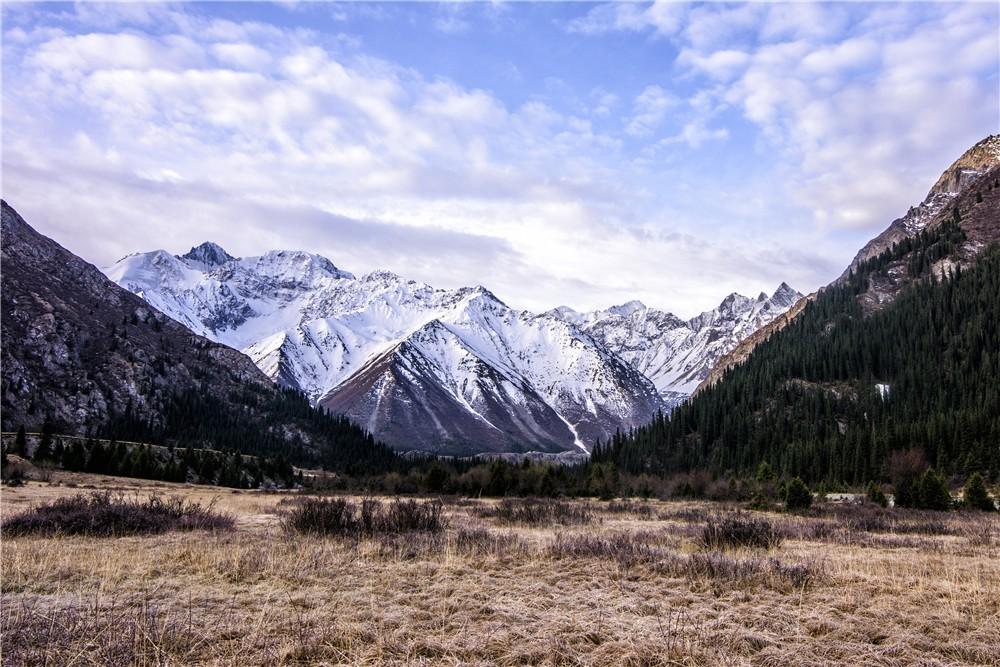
(628, 586)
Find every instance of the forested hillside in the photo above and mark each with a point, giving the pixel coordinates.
(851, 379)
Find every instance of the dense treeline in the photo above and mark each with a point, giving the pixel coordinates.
(829, 397)
(292, 430)
(144, 461)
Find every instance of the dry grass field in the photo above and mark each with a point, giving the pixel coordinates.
(576, 583)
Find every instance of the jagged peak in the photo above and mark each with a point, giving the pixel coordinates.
(983, 156)
(297, 260)
(627, 308)
(733, 298)
(208, 253)
(786, 290)
(383, 276)
(478, 291)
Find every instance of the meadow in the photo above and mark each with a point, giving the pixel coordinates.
(499, 582)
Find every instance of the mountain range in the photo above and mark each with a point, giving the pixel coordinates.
(453, 372)
(256, 341)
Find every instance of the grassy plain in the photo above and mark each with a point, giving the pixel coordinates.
(595, 583)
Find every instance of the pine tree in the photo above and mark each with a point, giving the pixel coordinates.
(797, 495)
(975, 496)
(876, 495)
(43, 452)
(20, 442)
(933, 492)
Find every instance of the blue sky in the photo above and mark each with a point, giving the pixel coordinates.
(559, 153)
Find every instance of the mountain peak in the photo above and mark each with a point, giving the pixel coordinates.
(627, 308)
(980, 158)
(208, 253)
(785, 295)
(297, 263)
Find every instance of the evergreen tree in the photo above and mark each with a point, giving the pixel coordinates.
(20, 442)
(933, 492)
(845, 385)
(797, 495)
(876, 495)
(43, 452)
(975, 495)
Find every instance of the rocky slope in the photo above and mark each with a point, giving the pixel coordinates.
(76, 347)
(959, 178)
(90, 356)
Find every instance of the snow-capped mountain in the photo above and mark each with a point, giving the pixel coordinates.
(678, 354)
(451, 371)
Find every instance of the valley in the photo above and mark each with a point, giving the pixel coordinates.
(602, 583)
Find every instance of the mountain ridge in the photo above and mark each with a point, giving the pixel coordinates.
(315, 327)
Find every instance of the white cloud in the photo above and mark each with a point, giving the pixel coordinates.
(649, 109)
(663, 17)
(241, 54)
(865, 104)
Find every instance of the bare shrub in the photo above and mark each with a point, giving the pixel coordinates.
(684, 515)
(624, 548)
(110, 515)
(482, 542)
(739, 530)
(873, 519)
(537, 512)
(719, 566)
(640, 510)
(337, 516)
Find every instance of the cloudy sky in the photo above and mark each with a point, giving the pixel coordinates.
(559, 153)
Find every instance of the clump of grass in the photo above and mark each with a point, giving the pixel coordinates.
(338, 516)
(638, 510)
(718, 566)
(482, 542)
(631, 549)
(739, 530)
(112, 515)
(683, 515)
(624, 548)
(121, 634)
(537, 512)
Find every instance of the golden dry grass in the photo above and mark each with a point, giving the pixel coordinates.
(509, 596)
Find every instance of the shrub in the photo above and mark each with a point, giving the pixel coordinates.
(626, 549)
(640, 510)
(905, 468)
(337, 516)
(975, 496)
(797, 495)
(108, 515)
(535, 512)
(751, 570)
(876, 495)
(739, 530)
(482, 542)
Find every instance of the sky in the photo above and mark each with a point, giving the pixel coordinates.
(580, 154)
